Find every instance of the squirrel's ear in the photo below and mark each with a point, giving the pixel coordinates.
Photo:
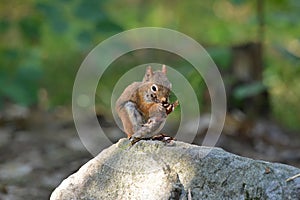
(148, 74)
(164, 69)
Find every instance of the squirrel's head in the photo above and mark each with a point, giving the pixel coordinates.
(158, 85)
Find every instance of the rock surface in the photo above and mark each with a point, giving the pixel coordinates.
(153, 170)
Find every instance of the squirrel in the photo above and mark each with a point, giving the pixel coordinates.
(143, 106)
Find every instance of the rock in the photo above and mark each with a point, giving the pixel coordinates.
(154, 170)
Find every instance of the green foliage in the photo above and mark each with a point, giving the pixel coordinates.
(89, 10)
(54, 14)
(30, 28)
(221, 56)
(4, 25)
(282, 78)
(43, 45)
(21, 84)
(248, 90)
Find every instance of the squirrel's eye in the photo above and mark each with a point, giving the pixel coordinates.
(154, 88)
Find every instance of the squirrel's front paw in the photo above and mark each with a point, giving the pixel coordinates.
(161, 107)
(170, 106)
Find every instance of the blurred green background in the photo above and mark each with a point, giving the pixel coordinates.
(43, 43)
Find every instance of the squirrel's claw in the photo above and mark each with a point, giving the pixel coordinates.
(134, 140)
(160, 137)
(164, 138)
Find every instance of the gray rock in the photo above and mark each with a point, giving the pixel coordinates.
(154, 170)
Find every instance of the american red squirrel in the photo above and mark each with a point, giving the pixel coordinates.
(143, 106)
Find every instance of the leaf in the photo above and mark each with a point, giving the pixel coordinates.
(221, 56)
(89, 10)
(54, 15)
(248, 90)
(107, 25)
(85, 36)
(4, 25)
(22, 84)
(49, 10)
(31, 28)
(238, 2)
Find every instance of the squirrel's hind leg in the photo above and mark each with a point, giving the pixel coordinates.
(131, 118)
